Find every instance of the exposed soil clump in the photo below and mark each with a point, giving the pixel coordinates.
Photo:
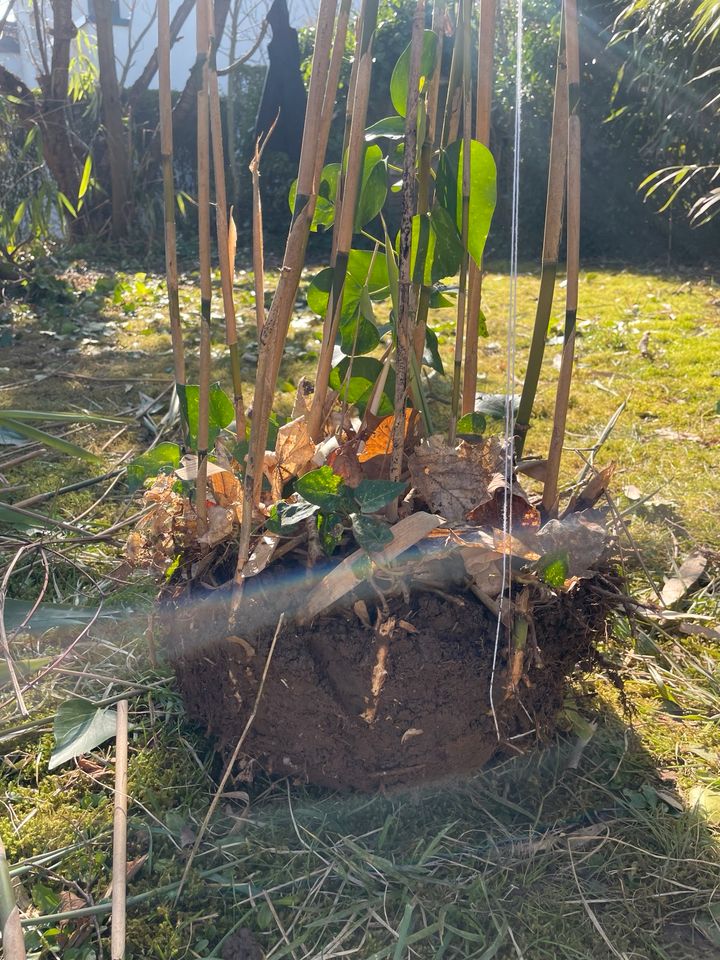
(362, 701)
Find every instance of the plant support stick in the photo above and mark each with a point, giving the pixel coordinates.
(119, 868)
(550, 492)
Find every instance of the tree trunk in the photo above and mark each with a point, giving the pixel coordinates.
(117, 140)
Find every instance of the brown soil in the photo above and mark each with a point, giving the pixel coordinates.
(349, 706)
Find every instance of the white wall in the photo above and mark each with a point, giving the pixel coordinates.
(141, 13)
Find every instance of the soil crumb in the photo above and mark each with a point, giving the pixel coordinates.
(362, 701)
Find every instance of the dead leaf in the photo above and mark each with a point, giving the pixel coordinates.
(377, 447)
(261, 556)
(490, 513)
(595, 488)
(581, 537)
(485, 570)
(225, 488)
(361, 612)
(412, 732)
(303, 398)
(294, 451)
(71, 901)
(454, 480)
(676, 587)
(697, 630)
(345, 463)
(189, 468)
(535, 468)
(220, 526)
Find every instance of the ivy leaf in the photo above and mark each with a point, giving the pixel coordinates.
(371, 533)
(322, 487)
(284, 516)
(79, 727)
(164, 458)
(373, 495)
(472, 424)
(391, 127)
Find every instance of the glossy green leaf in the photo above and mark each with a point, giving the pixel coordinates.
(371, 533)
(322, 487)
(471, 425)
(373, 495)
(357, 335)
(164, 458)
(431, 353)
(401, 74)
(80, 727)
(368, 270)
(284, 517)
(221, 411)
(364, 375)
(391, 127)
(373, 187)
(483, 191)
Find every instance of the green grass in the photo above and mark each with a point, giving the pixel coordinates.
(529, 859)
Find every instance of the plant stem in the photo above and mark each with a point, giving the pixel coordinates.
(119, 867)
(465, 220)
(345, 215)
(203, 173)
(166, 157)
(562, 398)
(453, 96)
(483, 106)
(221, 221)
(405, 314)
(12, 936)
(551, 248)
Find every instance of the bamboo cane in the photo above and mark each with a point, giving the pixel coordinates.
(203, 174)
(221, 221)
(425, 167)
(166, 157)
(465, 221)
(346, 131)
(453, 95)
(405, 315)
(315, 135)
(346, 215)
(551, 247)
(483, 106)
(119, 867)
(550, 493)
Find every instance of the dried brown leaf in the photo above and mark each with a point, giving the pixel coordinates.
(687, 576)
(221, 521)
(581, 537)
(454, 480)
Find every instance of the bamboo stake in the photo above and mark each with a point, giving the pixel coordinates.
(483, 107)
(221, 221)
(318, 117)
(166, 157)
(13, 940)
(352, 181)
(465, 221)
(203, 174)
(550, 493)
(119, 869)
(551, 247)
(346, 130)
(425, 167)
(453, 95)
(405, 314)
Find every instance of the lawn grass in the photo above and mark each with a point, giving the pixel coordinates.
(532, 858)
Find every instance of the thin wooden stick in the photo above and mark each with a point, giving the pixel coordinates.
(203, 174)
(551, 247)
(166, 157)
(221, 221)
(315, 136)
(233, 759)
(13, 940)
(406, 315)
(465, 221)
(573, 258)
(352, 181)
(119, 868)
(483, 106)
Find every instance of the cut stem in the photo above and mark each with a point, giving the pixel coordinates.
(550, 493)
(551, 247)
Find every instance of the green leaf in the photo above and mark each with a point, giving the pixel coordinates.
(391, 127)
(324, 215)
(66, 203)
(373, 187)
(368, 270)
(371, 533)
(483, 191)
(472, 424)
(284, 517)
(69, 417)
(322, 487)
(164, 458)
(221, 411)
(554, 569)
(373, 495)
(80, 727)
(401, 74)
(330, 531)
(357, 391)
(357, 335)
(431, 353)
(84, 179)
(48, 440)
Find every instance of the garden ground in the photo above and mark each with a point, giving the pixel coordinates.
(602, 843)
